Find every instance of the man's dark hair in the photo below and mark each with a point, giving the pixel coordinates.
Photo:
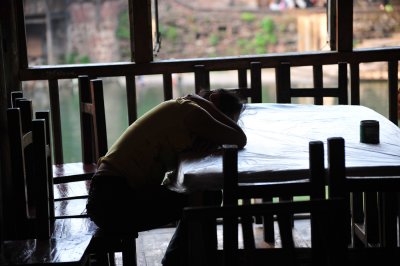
(229, 101)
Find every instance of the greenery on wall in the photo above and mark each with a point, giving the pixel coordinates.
(75, 58)
(123, 25)
(263, 37)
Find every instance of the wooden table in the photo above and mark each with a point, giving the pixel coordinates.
(277, 149)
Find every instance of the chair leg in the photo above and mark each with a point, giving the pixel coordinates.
(111, 258)
(268, 223)
(129, 251)
(102, 259)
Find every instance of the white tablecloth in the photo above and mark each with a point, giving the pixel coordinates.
(278, 138)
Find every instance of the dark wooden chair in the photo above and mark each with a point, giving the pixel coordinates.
(252, 93)
(72, 180)
(375, 224)
(328, 245)
(33, 236)
(312, 185)
(285, 92)
(93, 133)
(69, 211)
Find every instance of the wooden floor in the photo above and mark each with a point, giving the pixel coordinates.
(152, 244)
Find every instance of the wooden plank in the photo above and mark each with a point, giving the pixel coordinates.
(212, 64)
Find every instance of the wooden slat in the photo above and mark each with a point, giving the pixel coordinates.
(18, 204)
(56, 121)
(46, 116)
(15, 95)
(256, 82)
(99, 119)
(242, 78)
(393, 83)
(201, 78)
(41, 180)
(342, 83)
(355, 83)
(131, 98)
(26, 113)
(283, 83)
(167, 83)
(318, 83)
(230, 224)
(86, 120)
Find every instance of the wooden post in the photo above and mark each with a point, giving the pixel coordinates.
(344, 25)
(141, 32)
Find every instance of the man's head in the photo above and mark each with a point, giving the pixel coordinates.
(228, 102)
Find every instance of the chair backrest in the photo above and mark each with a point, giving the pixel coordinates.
(30, 200)
(372, 200)
(93, 120)
(285, 92)
(14, 96)
(202, 81)
(313, 186)
(328, 247)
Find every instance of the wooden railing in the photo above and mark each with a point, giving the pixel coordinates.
(202, 68)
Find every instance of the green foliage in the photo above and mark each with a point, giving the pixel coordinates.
(262, 38)
(267, 25)
(123, 25)
(213, 39)
(169, 32)
(247, 17)
(75, 58)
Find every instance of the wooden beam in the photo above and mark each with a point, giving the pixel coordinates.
(344, 25)
(141, 32)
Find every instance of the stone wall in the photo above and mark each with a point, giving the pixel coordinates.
(92, 30)
(204, 28)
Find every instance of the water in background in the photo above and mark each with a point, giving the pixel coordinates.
(149, 93)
